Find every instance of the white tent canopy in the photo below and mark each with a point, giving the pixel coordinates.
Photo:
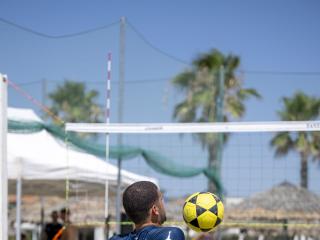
(44, 163)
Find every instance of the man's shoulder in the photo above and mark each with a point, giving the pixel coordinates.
(167, 233)
(120, 237)
(153, 233)
(168, 229)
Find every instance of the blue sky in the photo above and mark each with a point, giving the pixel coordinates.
(273, 36)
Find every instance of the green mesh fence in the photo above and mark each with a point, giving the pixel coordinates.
(155, 160)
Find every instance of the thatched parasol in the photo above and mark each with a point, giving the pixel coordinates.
(284, 201)
(286, 208)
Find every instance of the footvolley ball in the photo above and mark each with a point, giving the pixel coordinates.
(203, 211)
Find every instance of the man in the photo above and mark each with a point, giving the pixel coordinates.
(65, 215)
(68, 232)
(143, 203)
(53, 227)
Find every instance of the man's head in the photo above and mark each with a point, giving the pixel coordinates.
(54, 216)
(143, 202)
(65, 215)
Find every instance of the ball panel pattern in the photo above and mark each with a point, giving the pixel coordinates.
(207, 220)
(221, 210)
(203, 211)
(206, 200)
(189, 212)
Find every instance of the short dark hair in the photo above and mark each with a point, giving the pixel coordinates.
(138, 198)
(64, 211)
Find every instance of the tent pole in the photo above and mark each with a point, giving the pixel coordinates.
(18, 208)
(42, 216)
(3, 159)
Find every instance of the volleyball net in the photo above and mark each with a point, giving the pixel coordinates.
(255, 167)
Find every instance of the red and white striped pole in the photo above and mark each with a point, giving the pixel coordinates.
(108, 90)
(107, 116)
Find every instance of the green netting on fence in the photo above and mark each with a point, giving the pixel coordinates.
(155, 160)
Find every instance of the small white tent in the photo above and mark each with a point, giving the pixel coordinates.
(40, 164)
(44, 162)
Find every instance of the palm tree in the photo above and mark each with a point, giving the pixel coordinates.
(72, 102)
(299, 108)
(199, 85)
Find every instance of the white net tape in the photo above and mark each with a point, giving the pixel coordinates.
(277, 126)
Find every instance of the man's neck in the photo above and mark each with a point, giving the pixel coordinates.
(142, 225)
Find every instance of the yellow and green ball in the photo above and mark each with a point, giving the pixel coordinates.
(203, 211)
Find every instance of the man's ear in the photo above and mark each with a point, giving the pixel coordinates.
(155, 210)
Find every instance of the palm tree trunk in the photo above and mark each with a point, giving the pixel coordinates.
(212, 163)
(304, 170)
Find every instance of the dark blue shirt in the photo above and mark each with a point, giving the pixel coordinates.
(51, 230)
(152, 233)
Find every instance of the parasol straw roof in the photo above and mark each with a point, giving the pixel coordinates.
(282, 202)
